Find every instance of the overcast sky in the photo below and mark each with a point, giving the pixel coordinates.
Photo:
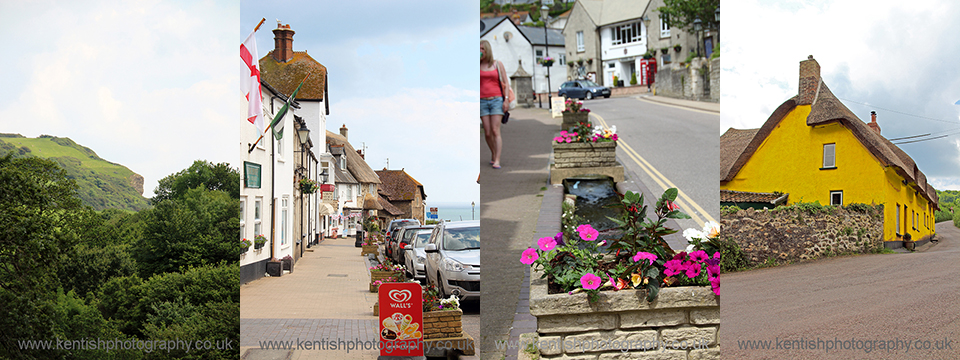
(403, 78)
(901, 58)
(142, 83)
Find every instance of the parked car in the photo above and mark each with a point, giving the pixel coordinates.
(414, 256)
(453, 259)
(392, 228)
(583, 89)
(404, 237)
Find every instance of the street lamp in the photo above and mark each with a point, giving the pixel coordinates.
(304, 133)
(697, 26)
(544, 12)
(473, 210)
(717, 18)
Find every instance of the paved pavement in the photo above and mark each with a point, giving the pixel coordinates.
(325, 299)
(852, 301)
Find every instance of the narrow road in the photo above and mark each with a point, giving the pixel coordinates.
(663, 146)
(854, 304)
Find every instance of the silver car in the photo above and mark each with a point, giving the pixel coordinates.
(414, 256)
(453, 259)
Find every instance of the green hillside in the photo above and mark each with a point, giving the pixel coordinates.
(102, 184)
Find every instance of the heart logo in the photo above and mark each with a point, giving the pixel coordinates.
(399, 295)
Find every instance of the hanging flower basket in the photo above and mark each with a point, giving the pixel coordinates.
(245, 246)
(259, 241)
(308, 186)
(677, 48)
(547, 61)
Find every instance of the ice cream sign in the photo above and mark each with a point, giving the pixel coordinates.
(401, 319)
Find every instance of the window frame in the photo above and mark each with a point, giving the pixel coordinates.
(823, 163)
(285, 206)
(836, 192)
(258, 216)
(664, 26)
(898, 220)
(580, 43)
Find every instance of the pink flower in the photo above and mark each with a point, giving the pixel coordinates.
(529, 256)
(672, 205)
(713, 272)
(590, 281)
(698, 256)
(563, 132)
(645, 255)
(587, 232)
(617, 284)
(547, 243)
(715, 284)
(569, 140)
(558, 139)
(716, 255)
(613, 137)
(673, 267)
(693, 269)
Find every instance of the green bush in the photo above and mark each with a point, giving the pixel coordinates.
(956, 219)
(731, 256)
(633, 79)
(87, 267)
(942, 216)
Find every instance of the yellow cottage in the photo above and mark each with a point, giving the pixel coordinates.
(812, 148)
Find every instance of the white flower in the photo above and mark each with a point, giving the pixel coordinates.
(691, 234)
(690, 248)
(711, 230)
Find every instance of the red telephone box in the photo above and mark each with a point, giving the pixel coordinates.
(648, 71)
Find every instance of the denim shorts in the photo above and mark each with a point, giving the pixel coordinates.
(491, 107)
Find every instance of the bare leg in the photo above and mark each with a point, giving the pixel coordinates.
(497, 141)
(488, 135)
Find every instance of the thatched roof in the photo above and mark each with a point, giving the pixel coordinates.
(397, 185)
(355, 164)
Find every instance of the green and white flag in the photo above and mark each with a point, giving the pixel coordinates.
(277, 123)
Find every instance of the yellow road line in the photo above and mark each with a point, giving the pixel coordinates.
(641, 98)
(665, 183)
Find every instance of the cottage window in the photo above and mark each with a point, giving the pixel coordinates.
(243, 217)
(836, 197)
(898, 219)
(283, 220)
(580, 47)
(829, 156)
(664, 26)
(257, 206)
(562, 59)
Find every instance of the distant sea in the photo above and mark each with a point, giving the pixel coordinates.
(454, 212)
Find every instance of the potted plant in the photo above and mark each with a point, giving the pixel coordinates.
(547, 61)
(287, 263)
(908, 242)
(677, 48)
(259, 241)
(442, 318)
(630, 278)
(275, 267)
(383, 271)
(580, 62)
(584, 145)
(308, 186)
(664, 50)
(573, 114)
(245, 246)
(590, 61)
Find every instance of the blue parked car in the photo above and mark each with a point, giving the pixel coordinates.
(583, 89)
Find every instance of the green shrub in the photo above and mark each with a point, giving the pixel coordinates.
(729, 209)
(633, 79)
(731, 256)
(942, 216)
(956, 219)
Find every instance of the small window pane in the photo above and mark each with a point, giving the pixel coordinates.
(836, 198)
(829, 155)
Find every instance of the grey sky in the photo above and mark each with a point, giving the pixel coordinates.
(900, 58)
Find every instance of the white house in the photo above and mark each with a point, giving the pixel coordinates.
(524, 46)
(357, 199)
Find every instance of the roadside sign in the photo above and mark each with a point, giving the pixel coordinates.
(401, 319)
(557, 105)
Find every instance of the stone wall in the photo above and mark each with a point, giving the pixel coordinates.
(623, 325)
(442, 324)
(791, 234)
(575, 155)
(687, 82)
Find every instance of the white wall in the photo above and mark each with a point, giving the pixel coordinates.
(621, 55)
(508, 52)
(261, 156)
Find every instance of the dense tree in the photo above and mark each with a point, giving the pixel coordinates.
(682, 13)
(199, 228)
(39, 219)
(201, 174)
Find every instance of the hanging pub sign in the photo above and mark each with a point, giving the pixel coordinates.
(251, 174)
(401, 319)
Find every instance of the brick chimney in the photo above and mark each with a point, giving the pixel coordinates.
(873, 122)
(343, 131)
(283, 43)
(809, 81)
(361, 154)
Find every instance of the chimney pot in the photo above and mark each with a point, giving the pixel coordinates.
(283, 43)
(873, 122)
(809, 81)
(343, 131)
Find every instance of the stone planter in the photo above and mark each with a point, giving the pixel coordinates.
(578, 159)
(624, 319)
(571, 119)
(380, 275)
(442, 324)
(369, 249)
(274, 268)
(287, 264)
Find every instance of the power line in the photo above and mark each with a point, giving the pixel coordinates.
(902, 113)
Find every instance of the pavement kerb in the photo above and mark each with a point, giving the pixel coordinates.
(690, 104)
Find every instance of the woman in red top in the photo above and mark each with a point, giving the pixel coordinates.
(493, 86)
